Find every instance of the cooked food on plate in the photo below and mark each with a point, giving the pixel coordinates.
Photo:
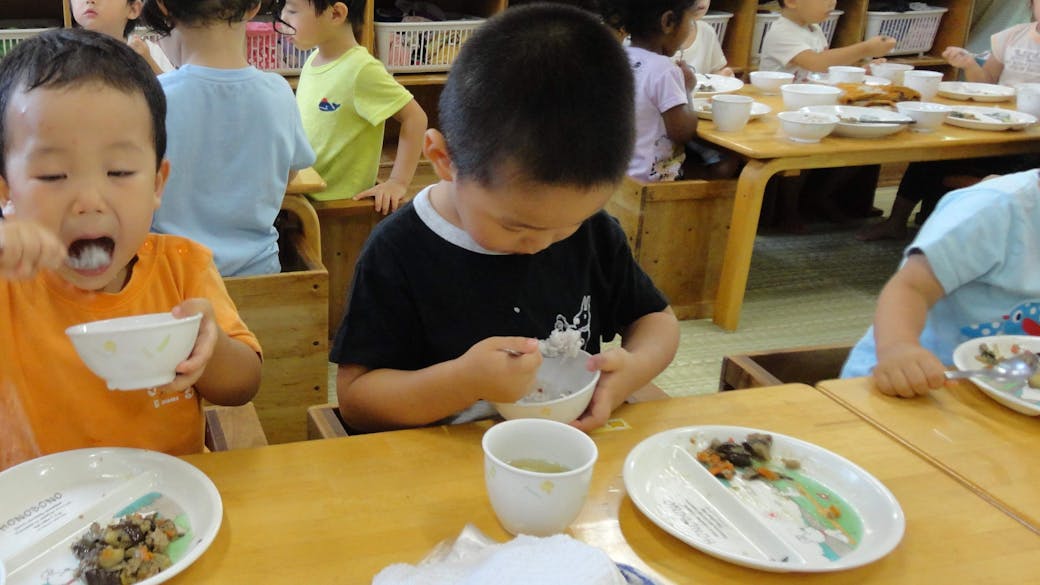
(861, 94)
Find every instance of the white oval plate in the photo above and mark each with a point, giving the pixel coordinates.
(979, 92)
(703, 108)
(50, 501)
(711, 84)
(861, 130)
(1014, 395)
(989, 118)
(754, 523)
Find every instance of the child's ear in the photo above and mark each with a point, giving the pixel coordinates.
(436, 149)
(668, 21)
(339, 12)
(134, 9)
(252, 12)
(5, 197)
(161, 175)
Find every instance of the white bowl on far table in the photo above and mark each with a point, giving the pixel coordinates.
(846, 74)
(769, 82)
(807, 127)
(798, 95)
(565, 388)
(890, 71)
(134, 353)
(927, 115)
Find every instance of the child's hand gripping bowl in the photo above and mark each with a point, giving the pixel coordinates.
(132, 353)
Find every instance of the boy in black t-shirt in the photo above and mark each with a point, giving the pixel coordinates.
(536, 131)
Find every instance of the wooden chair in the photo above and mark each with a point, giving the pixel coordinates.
(807, 365)
(324, 421)
(678, 231)
(288, 312)
(233, 427)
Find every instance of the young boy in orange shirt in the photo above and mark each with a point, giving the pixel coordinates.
(78, 192)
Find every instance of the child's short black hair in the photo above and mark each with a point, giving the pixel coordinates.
(543, 87)
(355, 12)
(193, 12)
(643, 17)
(75, 57)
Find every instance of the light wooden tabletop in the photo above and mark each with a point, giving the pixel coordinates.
(338, 511)
(769, 153)
(991, 448)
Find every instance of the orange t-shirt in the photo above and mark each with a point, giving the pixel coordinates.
(50, 401)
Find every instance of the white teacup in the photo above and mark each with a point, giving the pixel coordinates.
(1027, 98)
(537, 473)
(846, 74)
(891, 71)
(731, 112)
(924, 82)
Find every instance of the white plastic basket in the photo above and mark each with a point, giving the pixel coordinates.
(718, 20)
(414, 47)
(9, 37)
(764, 20)
(914, 31)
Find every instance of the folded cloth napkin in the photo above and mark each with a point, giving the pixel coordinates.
(473, 559)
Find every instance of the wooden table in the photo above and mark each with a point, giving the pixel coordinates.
(338, 511)
(769, 153)
(990, 448)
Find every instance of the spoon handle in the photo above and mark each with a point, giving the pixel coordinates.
(960, 374)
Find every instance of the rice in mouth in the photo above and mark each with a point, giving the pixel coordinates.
(90, 254)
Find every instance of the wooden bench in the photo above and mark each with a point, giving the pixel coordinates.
(288, 312)
(678, 231)
(807, 365)
(233, 427)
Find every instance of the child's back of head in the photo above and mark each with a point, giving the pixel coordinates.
(643, 17)
(163, 15)
(543, 92)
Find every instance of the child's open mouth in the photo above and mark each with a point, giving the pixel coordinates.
(91, 255)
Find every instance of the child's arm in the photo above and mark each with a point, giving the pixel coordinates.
(960, 58)
(647, 347)
(388, 194)
(223, 370)
(905, 368)
(680, 122)
(27, 247)
(873, 47)
(384, 399)
(137, 44)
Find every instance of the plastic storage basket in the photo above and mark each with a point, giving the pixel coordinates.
(719, 21)
(414, 47)
(914, 31)
(764, 20)
(9, 37)
(270, 51)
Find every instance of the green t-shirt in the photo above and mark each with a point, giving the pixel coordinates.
(344, 106)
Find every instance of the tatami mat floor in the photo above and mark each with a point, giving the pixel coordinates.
(812, 289)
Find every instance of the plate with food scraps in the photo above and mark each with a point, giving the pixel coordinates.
(711, 84)
(863, 122)
(979, 92)
(790, 506)
(988, 118)
(983, 352)
(57, 508)
(703, 108)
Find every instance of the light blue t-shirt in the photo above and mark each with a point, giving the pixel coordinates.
(234, 135)
(983, 244)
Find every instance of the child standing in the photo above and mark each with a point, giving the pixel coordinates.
(512, 243)
(118, 18)
(78, 194)
(702, 50)
(796, 43)
(235, 136)
(665, 120)
(345, 96)
(947, 292)
(1013, 58)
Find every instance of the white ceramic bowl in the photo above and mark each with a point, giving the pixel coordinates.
(769, 82)
(891, 71)
(539, 502)
(807, 126)
(566, 386)
(846, 74)
(798, 95)
(928, 115)
(849, 127)
(136, 352)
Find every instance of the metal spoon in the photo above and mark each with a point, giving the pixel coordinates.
(1019, 367)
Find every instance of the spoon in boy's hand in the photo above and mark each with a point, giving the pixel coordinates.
(1019, 367)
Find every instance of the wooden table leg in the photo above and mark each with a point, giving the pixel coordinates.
(742, 229)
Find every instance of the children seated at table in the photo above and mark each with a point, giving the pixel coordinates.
(1015, 52)
(345, 96)
(78, 192)
(235, 137)
(118, 18)
(512, 244)
(702, 49)
(968, 273)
